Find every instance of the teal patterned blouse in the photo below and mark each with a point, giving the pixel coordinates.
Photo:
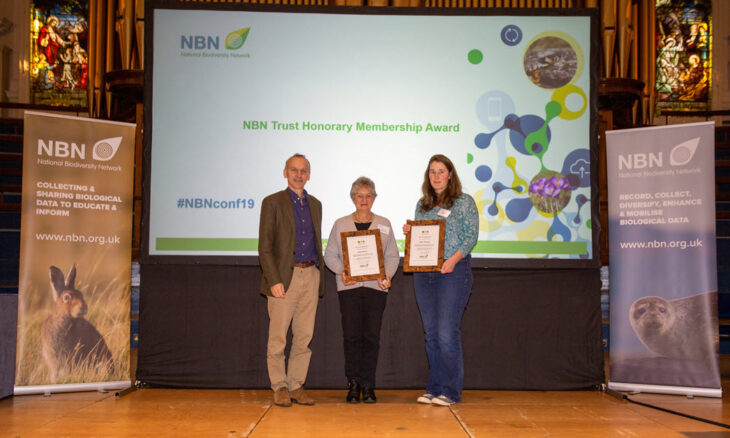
(462, 225)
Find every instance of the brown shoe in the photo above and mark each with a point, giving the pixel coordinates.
(301, 397)
(281, 397)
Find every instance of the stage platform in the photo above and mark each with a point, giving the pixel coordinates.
(250, 413)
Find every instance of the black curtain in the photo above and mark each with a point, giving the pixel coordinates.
(8, 332)
(205, 326)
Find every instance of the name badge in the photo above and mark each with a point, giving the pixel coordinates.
(384, 229)
(444, 212)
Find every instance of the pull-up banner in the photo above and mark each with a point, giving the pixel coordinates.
(75, 251)
(663, 271)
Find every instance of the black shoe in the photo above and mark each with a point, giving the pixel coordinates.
(368, 395)
(353, 391)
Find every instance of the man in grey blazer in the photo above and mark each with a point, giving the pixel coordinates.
(290, 254)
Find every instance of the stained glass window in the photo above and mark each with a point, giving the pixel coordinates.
(683, 54)
(58, 52)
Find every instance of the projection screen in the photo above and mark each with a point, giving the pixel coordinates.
(232, 91)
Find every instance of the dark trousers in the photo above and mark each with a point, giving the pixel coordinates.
(362, 315)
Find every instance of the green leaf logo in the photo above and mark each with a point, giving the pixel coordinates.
(235, 39)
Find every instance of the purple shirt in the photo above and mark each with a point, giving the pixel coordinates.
(306, 249)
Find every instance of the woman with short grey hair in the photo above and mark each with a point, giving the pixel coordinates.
(361, 182)
(362, 303)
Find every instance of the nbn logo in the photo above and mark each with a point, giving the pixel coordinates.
(199, 42)
(103, 150)
(680, 155)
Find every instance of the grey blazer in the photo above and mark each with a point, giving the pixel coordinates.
(333, 253)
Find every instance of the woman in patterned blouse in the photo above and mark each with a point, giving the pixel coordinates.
(442, 296)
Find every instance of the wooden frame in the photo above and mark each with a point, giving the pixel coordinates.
(407, 267)
(346, 255)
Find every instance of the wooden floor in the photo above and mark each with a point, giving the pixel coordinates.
(250, 413)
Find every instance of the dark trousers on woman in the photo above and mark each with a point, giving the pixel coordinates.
(362, 315)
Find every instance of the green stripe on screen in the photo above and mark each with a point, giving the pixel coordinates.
(205, 244)
(482, 247)
(498, 247)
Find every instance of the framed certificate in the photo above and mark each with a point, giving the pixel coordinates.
(362, 252)
(425, 246)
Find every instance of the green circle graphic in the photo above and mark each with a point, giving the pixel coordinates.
(475, 56)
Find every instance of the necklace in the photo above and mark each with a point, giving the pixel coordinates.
(354, 218)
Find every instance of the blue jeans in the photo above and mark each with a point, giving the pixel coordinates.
(442, 299)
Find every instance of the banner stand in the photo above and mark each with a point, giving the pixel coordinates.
(122, 392)
(75, 246)
(72, 387)
(664, 334)
(663, 389)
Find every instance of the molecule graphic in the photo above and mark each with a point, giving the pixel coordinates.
(553, 60)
